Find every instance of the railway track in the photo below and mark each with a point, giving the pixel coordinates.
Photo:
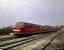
(6, 45)
(6, 37)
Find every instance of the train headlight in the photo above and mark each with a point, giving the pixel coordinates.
(16, 30)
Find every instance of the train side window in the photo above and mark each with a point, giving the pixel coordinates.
(27, 26)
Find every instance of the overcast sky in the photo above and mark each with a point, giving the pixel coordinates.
(49, 12)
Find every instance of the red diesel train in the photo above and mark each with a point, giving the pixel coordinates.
(24, 28)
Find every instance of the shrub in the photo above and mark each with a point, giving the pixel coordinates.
(5, 31)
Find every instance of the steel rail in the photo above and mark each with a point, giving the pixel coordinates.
(50, 41)
(11, 45)
(5, 39)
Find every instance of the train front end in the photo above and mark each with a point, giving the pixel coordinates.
(17, 29)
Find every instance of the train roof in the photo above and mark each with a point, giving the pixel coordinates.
(27, 23)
